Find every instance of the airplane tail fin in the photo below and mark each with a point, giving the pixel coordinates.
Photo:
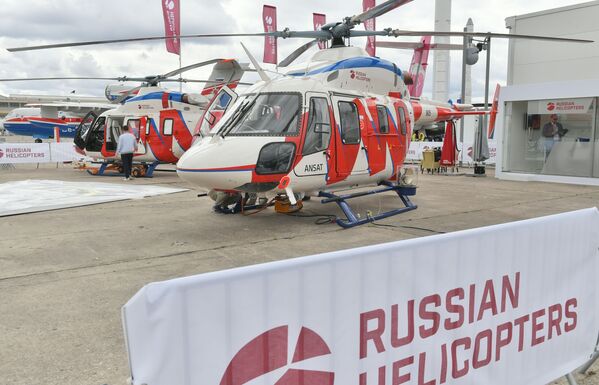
(225, 72)
(418, 66)
(493, 113)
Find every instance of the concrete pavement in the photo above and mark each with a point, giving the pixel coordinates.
(65, 274)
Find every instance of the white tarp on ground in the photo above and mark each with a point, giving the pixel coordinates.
(514, 304)
(40, 195)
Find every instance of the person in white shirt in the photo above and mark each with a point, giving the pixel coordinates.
(125, 148)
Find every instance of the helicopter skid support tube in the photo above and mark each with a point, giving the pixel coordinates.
(354, 220)
(100, 171)
(151, 168)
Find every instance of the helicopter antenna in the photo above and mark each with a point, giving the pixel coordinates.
(261, 72)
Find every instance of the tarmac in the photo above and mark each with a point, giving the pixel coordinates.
(65, 274)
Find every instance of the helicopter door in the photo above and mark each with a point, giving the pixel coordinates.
(137, 128)
(94, 140)
(350, 153)
(215, 111)
(111, 135)
(83, 130)
(317, 136)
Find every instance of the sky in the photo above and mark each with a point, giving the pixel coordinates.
(33, 22)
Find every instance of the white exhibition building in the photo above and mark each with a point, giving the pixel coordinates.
(547, 126)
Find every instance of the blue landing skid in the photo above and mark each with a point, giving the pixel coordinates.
(352, 219)
(100, 170)
(149, 172)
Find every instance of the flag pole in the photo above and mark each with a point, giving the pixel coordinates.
(180, 48)
(180, 82)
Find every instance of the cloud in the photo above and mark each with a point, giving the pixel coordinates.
(31, 22)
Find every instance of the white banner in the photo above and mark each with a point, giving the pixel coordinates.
(560, 106)
(24, 152)
(415, 151)
(64, 152)
(510, 304)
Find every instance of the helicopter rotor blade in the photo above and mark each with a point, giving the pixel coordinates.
(189, 67)
(297, 53)
(216, 82)
(397, 32)
(58, 78)
(379, 10)
(137, 39)
(409, 45)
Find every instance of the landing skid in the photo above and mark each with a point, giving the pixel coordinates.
(352, 218)
(105, 166)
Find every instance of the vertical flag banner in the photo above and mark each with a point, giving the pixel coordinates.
(319, 20)
(269, 18)
(172, 25)
(370, 25)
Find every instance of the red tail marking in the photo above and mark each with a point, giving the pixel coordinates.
(493, 113)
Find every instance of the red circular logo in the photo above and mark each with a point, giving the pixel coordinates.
(1, 153)
(550, 106)
(352, 74)
(269, 352)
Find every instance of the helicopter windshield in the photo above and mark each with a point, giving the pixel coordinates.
(268, 114)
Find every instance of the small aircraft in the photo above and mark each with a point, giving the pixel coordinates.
(40, 120)
(339, 121)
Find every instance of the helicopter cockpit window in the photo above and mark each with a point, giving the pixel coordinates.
(85, 128)
(319, 127)
(223, 101)
(381, 112)
(96, 135)
(214, 112)
(268, 115)
(350, 123)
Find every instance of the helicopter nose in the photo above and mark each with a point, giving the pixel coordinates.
(208, 166)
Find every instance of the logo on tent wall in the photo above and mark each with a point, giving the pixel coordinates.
(269, 352)
(550, 106)
(1, 153)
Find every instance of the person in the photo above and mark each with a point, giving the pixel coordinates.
(126, 146)
(552, 132)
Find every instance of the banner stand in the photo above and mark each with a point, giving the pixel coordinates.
(583, 369)
(571, 379)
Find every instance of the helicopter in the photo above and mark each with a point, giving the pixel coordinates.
(164, 122)
(340, 121)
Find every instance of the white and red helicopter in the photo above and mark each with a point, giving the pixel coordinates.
(339, 121)
(163, 121)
